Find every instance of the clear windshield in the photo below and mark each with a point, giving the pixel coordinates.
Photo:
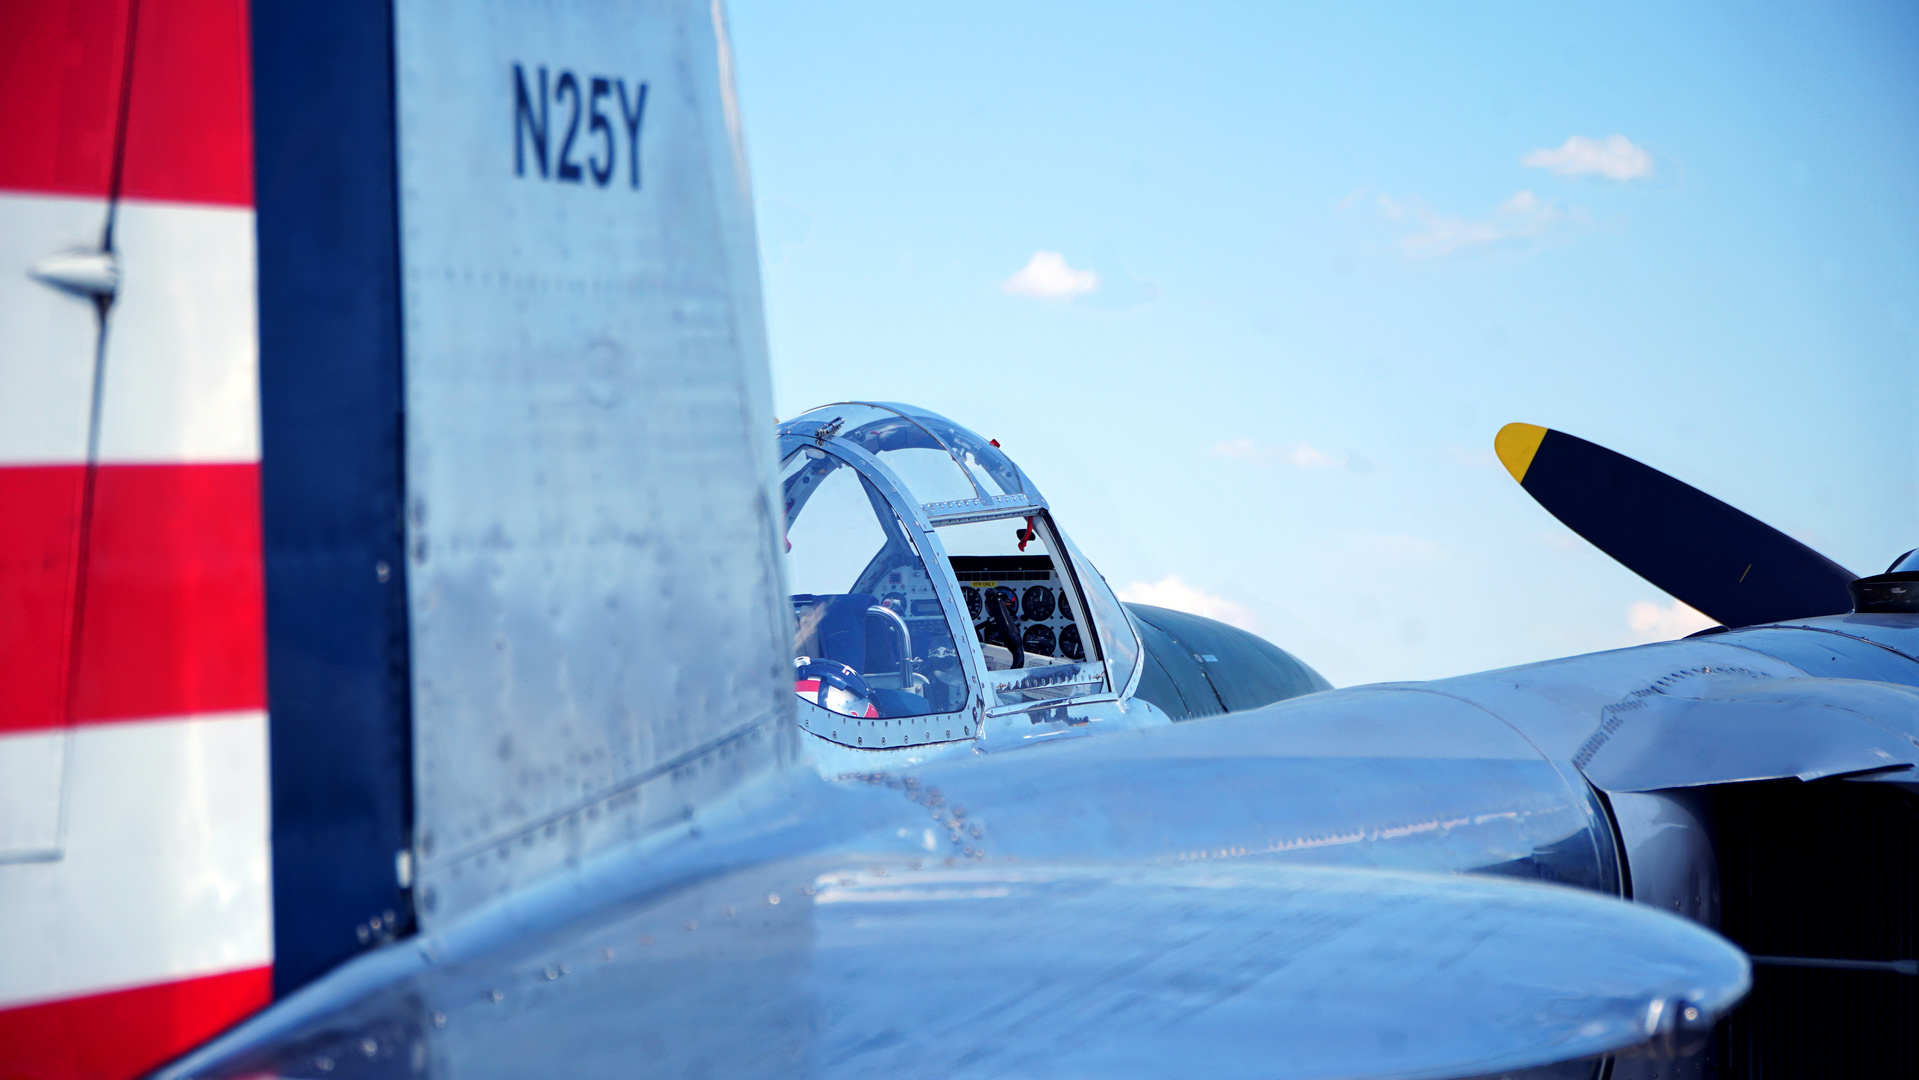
(870, 634)
(1025, 609)
(994, 471)
(1116, 638)
(936, 459)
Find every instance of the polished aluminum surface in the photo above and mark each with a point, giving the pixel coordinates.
(620, 875)
(738, 953)
(1765, 730)
(1896, 634)
(1132, 874)
(595, 645)
(1024, 726)
(1747, 704)
(1376, 778)
(1027, 688)
(1667, 837)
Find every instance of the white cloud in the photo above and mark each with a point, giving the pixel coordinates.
(1519, 220)
(1307, 456)
(1663, 622)
(1173, 592)
(1047, 276)
(1614, 157)
(1299, 455)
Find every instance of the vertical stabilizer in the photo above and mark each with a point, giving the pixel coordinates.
(592, 575)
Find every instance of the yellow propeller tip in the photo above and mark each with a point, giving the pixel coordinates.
(1516, 444)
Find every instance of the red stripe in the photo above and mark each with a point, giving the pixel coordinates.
(173, 620)
(125, 1033)
(38, 532)
(60, 66)
(189, 123)
(190, 128)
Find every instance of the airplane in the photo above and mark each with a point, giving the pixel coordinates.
(407, 672)
(948, 875)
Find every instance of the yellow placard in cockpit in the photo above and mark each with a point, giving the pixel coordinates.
(982, 584)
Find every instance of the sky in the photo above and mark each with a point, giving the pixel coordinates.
(1248, 289)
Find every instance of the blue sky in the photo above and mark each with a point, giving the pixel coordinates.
(1248, 289)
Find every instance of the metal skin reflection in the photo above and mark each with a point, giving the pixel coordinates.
(629, 846)
(998, 856)
(1597, 772)
(981, 862)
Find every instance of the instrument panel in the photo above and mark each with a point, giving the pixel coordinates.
(1033, 592)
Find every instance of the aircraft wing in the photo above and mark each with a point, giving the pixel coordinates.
(1773, 729)
(494, 582)
(844, 965)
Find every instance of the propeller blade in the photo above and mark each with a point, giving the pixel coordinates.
(1728, 564)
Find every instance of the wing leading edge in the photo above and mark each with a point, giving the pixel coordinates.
(866, 959)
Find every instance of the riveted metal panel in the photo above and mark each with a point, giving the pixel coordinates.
(596, 620)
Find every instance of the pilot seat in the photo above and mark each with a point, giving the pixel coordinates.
(852, 643)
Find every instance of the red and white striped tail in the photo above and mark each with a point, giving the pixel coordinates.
(134, 832)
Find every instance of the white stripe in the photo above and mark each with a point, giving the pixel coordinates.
(164, 869)
(31, 764)
(47, 337)
(182, 378)
(182, 371)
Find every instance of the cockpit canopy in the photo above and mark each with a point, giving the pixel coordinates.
(937, 461)
(929, 584)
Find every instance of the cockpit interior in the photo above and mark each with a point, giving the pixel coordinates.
(923, 567)
(933, 593)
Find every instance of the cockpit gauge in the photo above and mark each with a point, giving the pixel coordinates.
(1065, 609)
(1037, 606)
(974, 605)
(1069, 644)
(1038, 638)
(1012, 598)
